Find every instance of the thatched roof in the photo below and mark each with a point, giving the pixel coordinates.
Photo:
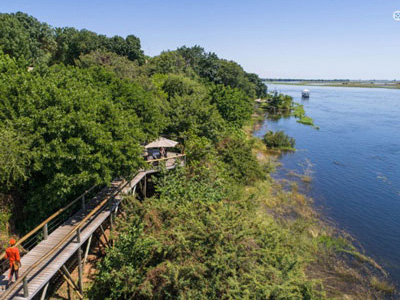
(162, 142)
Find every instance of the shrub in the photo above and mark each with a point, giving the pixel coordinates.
(192, 242)
(279, 140)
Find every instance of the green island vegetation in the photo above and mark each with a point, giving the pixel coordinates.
(279, 105)
(75, 108)
(384, 84)
(279, 140)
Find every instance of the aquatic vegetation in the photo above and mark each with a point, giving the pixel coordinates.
(382, 285)
(279, 140)
(306, 121)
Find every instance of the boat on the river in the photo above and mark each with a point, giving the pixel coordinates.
(305, 93)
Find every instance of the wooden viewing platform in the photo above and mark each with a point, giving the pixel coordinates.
(49, 256)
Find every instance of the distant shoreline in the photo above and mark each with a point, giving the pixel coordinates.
(388, 85)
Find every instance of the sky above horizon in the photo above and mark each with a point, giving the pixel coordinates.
(313, 39)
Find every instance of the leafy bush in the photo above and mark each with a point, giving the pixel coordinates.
(189, 244)
(279, 140)
(240, 164)
(278, 103)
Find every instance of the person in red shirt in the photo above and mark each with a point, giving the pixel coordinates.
(12, 254)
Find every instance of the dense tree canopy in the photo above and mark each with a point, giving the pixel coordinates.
(83, 126)
(76, 105)
(24, 36)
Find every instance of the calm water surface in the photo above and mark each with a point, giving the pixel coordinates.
(356, 162)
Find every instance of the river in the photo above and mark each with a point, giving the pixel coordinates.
(355, 159)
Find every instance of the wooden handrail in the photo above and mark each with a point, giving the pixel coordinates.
(60, 243)
(37, 228)
(166, 158)
(73, 231)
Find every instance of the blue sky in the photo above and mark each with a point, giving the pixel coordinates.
(282, 38)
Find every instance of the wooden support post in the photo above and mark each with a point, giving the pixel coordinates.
(87, 249)
(78, 235)
(70, 282)
(45, 232)
(104, 234)
(69, 291)
(111, 222)
(44, 292)
(110, 204)
(99, 239)
(25, 284)
(111, 228)
(65, 271)
(134, 190)
(83, 203)
(80, 271)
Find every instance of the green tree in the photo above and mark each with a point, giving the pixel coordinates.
(23, 36)
(232, 104)
(15, 158)
(120, 65)
(83, 126)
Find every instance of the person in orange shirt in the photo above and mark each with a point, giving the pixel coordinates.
(12, 254)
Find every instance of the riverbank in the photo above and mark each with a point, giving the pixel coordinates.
(359, 84)
(204, 235)
(343, 271)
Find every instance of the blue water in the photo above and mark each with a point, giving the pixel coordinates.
(356, 162)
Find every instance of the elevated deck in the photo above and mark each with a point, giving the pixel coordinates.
(42, 262)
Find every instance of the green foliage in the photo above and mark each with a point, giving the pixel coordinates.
(220, 71)
(81, 127)
(306, 121)
(72, 43)
(259, 85)
(298, 111)
(278, 103)
(279, 140)
(240, 163)
(167, 62)
(194, 114)
(232, 74)
(189, 244)
(232, 104)
(14, 158)
(179, 85)
(120, 65)
(23, 36)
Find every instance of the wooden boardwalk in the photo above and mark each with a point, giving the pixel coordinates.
(60, 247)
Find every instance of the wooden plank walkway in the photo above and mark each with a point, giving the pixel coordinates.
(42, 274)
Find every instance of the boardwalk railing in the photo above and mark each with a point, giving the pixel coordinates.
(169, 161)
(42, 231)
(75, 231)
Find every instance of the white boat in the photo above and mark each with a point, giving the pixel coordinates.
(305, 93)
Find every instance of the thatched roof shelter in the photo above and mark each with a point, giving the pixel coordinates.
(162, 142)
